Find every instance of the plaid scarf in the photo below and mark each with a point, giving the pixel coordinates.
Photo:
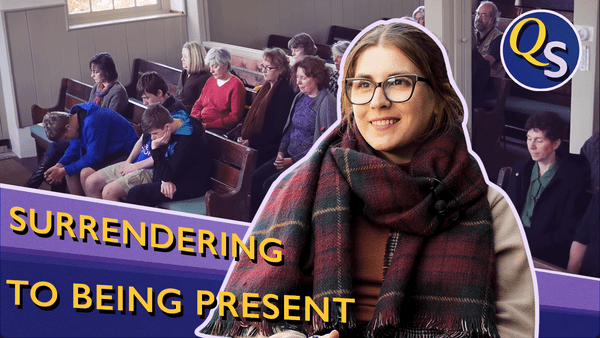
(439, 267)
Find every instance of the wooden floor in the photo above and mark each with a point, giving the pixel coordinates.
(16, 171)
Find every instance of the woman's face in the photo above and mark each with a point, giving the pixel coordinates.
(307, 85)
(393, 130)
(298, 53)
(337, 59)
(420, 18)
(97, 74)
(270, 72)
(185, 58)
(218, 71)
(540, 147)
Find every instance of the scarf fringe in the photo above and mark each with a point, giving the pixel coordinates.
(317, 325)
(432, 326)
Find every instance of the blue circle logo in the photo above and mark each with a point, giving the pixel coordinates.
(540, 50)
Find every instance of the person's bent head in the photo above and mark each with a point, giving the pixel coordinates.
(302, 45)
(311, 75)
(57, 126)
(419, 15)
(219, 61)
(152, 88)
(544, 132)
(397, 90)
(192, 57)
(103, 68)
(275, 64)
(337, 51)
(155, 120)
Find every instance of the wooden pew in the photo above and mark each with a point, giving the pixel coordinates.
(71, 92)
(337, 33)
(229, 195)
(141, 66)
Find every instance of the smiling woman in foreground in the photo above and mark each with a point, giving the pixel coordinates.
(393, 212)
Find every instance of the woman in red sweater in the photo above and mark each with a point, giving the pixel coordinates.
(221, 104)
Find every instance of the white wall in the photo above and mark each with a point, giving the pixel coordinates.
(584, 93)
(35, 54)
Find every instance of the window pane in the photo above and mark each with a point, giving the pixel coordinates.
(146, 2)
(78, 6)
(124, 3)
(101, 5)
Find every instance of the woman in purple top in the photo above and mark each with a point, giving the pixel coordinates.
(312, 112)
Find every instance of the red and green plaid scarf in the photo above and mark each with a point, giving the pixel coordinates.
(439, 268)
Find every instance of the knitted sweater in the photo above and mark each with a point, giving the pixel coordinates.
(220, 107)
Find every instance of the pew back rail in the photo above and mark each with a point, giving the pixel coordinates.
(141, 66)
(71, 92)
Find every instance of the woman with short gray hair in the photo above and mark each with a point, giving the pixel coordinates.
(337, 51)
(221, 104)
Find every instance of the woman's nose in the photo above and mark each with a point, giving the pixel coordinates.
(379, 99)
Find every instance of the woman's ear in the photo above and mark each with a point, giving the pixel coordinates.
(556, 144)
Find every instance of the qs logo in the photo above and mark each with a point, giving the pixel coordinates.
(540, 50)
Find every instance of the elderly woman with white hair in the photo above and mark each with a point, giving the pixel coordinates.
(221, 104)
(418, 15)
(337, 51)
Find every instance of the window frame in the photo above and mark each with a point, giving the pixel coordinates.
(94, 18)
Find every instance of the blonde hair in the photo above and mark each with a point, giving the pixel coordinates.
(55, 124)
(197, 55)
(425, 54)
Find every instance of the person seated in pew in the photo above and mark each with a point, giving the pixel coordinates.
(337, 51)
(313, 111)
(591, 151)
(114, 182)
(583, 258)
(154, 89)
(97, 137)
(489, 37)
(549, 190)
(301, 45)
(418, 15)
(263, 127)
(181, 155)
(194, 74)
(222, 102)
(106, 93)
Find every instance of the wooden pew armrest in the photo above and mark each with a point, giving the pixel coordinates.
(231, 205)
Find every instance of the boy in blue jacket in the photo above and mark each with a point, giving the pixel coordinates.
(97, 137)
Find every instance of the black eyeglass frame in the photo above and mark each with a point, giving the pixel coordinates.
(416, 78)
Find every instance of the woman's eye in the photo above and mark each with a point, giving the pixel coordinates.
(364, 84)
(399, 81)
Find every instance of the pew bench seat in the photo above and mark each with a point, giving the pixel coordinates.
(229, 194)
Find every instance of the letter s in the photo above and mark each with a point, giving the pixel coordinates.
(557, 60)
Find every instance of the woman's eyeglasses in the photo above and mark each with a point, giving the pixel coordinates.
(263, 68)
(397, 88)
